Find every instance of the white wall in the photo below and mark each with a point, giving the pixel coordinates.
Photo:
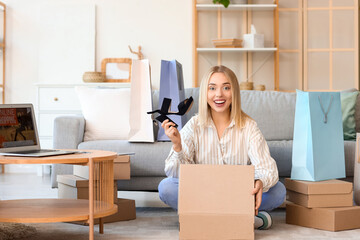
(162, 27)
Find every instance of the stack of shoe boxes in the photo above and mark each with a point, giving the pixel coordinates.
(326, 205)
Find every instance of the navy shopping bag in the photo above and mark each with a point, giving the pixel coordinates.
(171, 86)
(318, 145)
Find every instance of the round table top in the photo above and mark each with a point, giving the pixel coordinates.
(82, 157)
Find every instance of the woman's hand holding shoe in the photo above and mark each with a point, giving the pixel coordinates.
(173, 134)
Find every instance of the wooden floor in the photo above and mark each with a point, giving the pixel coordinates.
(151, 223)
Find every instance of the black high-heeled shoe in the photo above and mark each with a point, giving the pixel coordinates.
(183, 108)
(165, 107)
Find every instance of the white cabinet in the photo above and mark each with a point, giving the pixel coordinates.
(54, 100)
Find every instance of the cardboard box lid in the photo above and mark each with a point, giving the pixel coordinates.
(322, 187)
(222, 189)
(73, 180)
(122, 159)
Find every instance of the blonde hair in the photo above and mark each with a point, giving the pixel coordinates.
(235, 110)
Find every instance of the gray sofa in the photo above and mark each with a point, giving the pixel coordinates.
(273, 111)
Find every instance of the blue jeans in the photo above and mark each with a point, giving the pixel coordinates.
(169, 190)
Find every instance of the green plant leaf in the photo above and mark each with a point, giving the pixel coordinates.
(223, 2)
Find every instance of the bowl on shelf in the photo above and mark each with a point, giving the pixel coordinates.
(246, 86)
(227, 43)
(259, 87)
(93, 77)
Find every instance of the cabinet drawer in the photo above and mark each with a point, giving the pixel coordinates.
(58, 99)
(46, 123)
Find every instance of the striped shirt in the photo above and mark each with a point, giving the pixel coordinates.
(245, 146)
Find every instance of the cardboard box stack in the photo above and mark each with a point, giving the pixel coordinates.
(215, 202)
(326, 205)
(77, 187)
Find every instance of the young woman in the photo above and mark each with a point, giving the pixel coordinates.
(223, 134)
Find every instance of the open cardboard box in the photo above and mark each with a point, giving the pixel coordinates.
(121, 168)
(329, 193)
(215, 202)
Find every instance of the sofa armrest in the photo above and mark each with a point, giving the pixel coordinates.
(68, 134)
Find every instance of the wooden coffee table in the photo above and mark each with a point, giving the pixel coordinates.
(101, 192)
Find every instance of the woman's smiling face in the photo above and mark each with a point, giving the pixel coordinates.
(219, 95)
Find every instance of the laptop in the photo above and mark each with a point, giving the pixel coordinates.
(18, 132)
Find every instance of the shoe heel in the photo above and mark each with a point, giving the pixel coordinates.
(165, 107)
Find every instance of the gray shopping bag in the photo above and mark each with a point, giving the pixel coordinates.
(171, 86)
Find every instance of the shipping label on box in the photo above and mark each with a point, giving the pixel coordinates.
(329, 193)
(331, 219)
(215, 202)
(121, 169)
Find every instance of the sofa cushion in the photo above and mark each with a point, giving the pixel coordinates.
(140, 184)
(281, 151)
(273, 111)
(348, 101)
(106, 112)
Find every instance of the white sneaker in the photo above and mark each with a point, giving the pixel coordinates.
(267, 220)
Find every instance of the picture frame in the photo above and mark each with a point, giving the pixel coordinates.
(116, 69)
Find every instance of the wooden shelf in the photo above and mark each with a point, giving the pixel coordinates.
(232, 7)
(246, 21)
(51, 210)
(236, 49)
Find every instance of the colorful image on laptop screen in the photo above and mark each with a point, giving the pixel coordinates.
(16, 127)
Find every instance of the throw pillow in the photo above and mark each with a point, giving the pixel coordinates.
(348, 103)
(106, 112)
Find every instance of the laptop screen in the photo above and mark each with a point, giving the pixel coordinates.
(17, 127)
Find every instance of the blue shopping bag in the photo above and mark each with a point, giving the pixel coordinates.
(171, 86)
(318, 145)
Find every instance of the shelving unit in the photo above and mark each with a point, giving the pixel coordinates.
(247, 8)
